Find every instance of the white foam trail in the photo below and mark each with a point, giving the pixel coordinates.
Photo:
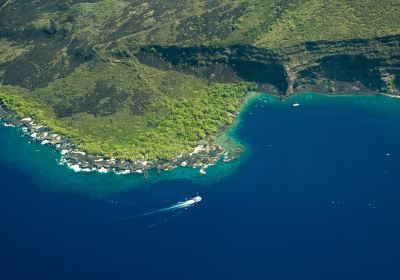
(166, 219)
(180, 205)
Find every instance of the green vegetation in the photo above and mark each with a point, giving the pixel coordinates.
(77, 65)
(171, 126)
(9, 52)
(232, 21)
(316, 20)
(24, 106)
(270, 23)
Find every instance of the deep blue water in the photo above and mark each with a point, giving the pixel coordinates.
(316, 197)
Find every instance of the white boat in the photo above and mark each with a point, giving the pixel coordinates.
(197, 198)
(296, 105)
(190, 202)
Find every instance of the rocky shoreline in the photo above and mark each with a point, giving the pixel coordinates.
(201, 157)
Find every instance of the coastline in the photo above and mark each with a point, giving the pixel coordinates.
(236, 147)
(390, 95)
(201, 157)
(225, 147)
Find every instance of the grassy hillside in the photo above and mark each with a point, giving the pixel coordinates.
(86, 69)
(317, 20)
(267, 23)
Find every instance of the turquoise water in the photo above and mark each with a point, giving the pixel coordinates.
(316, 196)
(42, 164)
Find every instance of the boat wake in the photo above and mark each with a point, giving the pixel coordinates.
(177, 208)
(180, 205)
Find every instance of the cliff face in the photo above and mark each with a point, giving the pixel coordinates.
(351, 66)
(216, 64)
(355, 66)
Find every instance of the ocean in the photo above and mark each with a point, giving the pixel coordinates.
(315, 196)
